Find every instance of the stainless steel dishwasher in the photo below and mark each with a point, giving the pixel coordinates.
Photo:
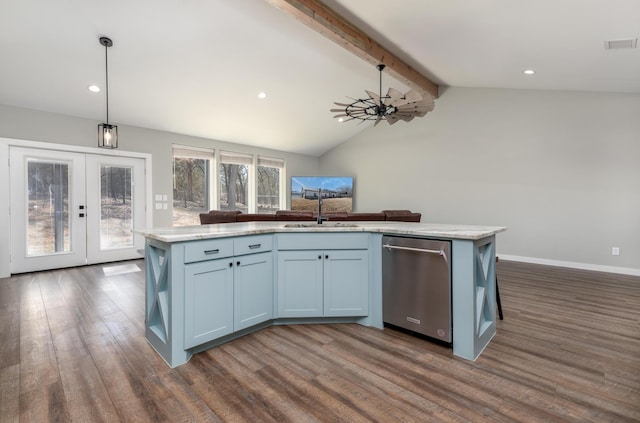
(416, 285)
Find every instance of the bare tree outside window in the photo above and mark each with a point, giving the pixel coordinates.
(190, 190)
(245, 182)
(116, 207)
(268, 189)
(234, 187)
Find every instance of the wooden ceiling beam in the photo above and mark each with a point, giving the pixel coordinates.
(333, 26)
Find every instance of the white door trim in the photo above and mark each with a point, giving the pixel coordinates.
(5, 222)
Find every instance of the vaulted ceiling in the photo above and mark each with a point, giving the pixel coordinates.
(196, 67)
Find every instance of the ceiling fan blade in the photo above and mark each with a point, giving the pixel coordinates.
(409, 97)
(378, 120)
(412, 109)
(360, 109)
(405, 117)
(375, 97)
(413, 95)
(395, 97)
(337, 110)
(342, 104)
(392, 119)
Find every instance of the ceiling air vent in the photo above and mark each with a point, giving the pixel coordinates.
(619, 44)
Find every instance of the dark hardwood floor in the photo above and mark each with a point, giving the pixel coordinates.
(73, 349)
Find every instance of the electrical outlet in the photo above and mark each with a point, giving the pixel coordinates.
(615, 251)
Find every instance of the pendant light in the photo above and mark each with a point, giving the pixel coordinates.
(107, 133)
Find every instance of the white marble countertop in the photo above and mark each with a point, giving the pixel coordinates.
(223, 230)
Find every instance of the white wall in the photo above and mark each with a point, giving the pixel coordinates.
(560, 169)
(34, 125)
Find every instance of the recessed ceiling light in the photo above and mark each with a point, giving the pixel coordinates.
(94, 88)
(528, 71)
(262, 95)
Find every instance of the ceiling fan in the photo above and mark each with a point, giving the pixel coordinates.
(392, 107)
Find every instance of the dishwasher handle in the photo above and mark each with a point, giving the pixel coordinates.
(419, 250)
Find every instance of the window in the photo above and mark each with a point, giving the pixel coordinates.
(191, 184)
(234, 177)
(245, 182)
(269, 181)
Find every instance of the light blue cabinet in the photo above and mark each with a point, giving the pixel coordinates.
(228, 294)
(346, 283)
(300, 284)
(208, 296)
(252, 290)
(326, 283)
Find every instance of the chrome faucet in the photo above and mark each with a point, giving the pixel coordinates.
(320, 218)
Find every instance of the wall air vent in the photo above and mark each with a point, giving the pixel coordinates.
(620, 44)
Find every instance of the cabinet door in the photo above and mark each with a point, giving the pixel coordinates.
(299, 284)
(253, 290)
(208, 298)
(346, 283)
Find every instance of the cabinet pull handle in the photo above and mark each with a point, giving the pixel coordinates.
(319, 257)
(237, 263)
(255, 245)
(231, 264)
(327, 257)
(216, 251)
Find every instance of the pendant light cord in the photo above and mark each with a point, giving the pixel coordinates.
(106, 72)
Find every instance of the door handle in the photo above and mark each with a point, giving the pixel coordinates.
(81, 215)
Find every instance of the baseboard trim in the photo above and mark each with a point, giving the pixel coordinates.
(573, 265)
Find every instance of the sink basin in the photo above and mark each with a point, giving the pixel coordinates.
(324, 224)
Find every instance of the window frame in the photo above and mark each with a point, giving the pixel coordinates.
(216, 158)
(278, 163)
(190, 152)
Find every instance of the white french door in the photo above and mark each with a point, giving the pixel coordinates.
(115, 206)
(70, 209)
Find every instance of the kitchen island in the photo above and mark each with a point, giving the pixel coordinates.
(209, 284)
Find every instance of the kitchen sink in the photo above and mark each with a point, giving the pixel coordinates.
(324, 224)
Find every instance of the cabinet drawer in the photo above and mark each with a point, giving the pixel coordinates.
(332, 241)
(209, 249)
(252, 244)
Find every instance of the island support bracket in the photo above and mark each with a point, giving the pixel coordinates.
(473, 289)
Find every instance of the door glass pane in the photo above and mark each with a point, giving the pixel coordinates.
(48, 204)
(116, 208)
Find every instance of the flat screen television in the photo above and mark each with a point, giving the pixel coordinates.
(337, 193)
